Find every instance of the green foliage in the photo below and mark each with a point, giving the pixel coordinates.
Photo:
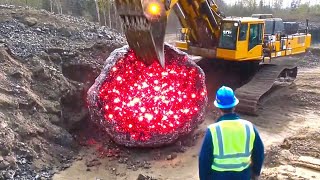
(298, 11)
(277, 4)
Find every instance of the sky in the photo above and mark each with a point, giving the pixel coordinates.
(286, 3)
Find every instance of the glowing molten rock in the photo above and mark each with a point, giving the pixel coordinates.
(148, 106)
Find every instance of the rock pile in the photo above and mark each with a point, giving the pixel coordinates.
(47, 64)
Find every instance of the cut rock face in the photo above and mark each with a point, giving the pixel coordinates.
(148, 106)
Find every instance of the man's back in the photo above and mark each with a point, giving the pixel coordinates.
(232, 147)
(237, 136)
(232, 139)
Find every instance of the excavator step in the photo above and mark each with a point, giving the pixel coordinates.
(251, 94)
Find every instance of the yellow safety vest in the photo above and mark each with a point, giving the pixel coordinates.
(232, 145)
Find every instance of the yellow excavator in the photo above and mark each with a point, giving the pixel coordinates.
(208, 33)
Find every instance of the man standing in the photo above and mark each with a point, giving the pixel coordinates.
(232, 148)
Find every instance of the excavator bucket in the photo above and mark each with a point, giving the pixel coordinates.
(144, 23)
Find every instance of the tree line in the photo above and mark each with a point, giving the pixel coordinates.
(297, 11)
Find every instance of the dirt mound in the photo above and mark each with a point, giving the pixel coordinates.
(299, 151)
(27, 32)
(47, 64)
(311, 58)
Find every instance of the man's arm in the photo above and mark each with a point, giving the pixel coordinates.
(257, 154)
(206, 156)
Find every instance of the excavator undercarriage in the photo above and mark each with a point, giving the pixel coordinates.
(254, 93)
(254, 82)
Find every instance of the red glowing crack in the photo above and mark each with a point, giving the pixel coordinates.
(148, 106)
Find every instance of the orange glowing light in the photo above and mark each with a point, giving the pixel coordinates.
(154, 9)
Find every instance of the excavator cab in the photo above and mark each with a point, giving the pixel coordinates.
(241, 39)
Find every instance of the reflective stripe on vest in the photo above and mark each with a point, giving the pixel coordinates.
(232, 145)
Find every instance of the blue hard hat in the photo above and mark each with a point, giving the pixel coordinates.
(225, 98)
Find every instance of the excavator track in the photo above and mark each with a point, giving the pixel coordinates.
(252, 94)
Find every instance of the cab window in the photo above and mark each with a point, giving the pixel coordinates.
(243, 32)
(255, 35)
(228, 36)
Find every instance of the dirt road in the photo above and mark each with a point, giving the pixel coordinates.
(288, 124)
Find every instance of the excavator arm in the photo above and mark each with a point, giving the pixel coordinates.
(145, 21)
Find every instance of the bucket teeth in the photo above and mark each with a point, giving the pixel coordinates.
(144, 36)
